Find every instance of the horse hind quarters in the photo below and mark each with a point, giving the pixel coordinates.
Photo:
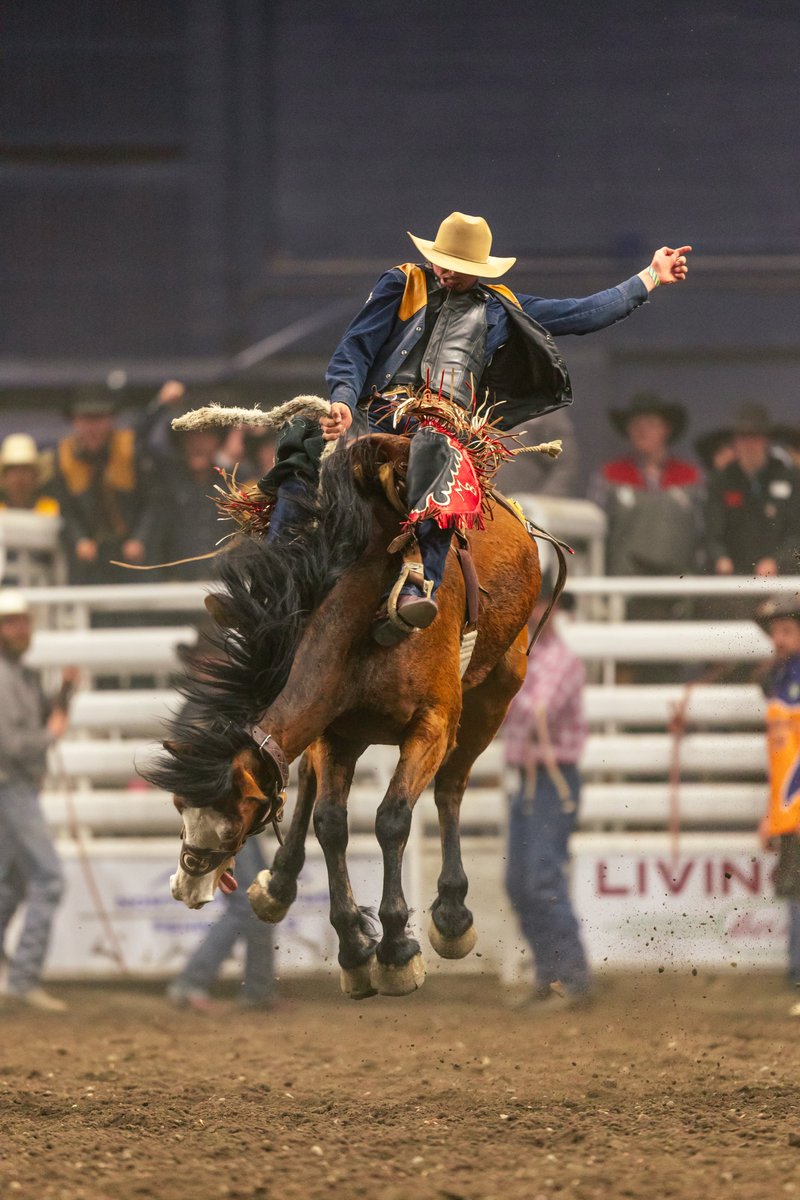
(262, 902)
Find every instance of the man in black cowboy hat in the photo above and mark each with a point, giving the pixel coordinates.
(651, 498)
(753, 506)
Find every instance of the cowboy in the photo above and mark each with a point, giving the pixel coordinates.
(30, 871)
(753, 507)
(21, 477)
(441, 324)
(106, 510)
(651, 497)
(779, 617)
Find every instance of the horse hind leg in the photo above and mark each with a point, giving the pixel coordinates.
(400, 968)
(272, 893)
(451, 930)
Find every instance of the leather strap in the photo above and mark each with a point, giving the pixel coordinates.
(471, 585)
(270, 752)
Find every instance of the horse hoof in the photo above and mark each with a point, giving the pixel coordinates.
(458, 947)
(356, 982)
(391, 980)
(264, 905)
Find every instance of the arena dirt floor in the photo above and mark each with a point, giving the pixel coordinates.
(673, 1085)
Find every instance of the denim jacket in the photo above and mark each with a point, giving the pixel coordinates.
(392, 321)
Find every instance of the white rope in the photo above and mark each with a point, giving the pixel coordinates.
(552, 449)
(216, 416)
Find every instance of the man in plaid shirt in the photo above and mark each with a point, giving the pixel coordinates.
(545, 732)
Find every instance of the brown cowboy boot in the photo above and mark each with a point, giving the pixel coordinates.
(405, 613)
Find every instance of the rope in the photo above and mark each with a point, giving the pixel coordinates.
(217, 416)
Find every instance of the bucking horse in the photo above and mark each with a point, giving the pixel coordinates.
(300, 675)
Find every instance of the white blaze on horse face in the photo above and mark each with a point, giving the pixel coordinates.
(206, 829)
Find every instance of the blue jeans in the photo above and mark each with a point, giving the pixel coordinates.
(30, 873)
(237, 921)
(536, 879)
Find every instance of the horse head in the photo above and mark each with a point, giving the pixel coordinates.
(223, 797)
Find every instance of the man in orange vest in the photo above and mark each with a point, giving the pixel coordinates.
(780, 618)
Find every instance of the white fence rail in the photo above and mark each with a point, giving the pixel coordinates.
(93, 782)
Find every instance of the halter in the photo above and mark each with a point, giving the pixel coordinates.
(199, 860)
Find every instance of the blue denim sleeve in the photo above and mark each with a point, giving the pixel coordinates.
(362, 340)
(589, 313)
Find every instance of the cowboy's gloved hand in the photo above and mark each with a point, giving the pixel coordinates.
(337, 424)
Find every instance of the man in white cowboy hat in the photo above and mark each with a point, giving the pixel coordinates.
(30, 872)
(441, 323)
(21, 471)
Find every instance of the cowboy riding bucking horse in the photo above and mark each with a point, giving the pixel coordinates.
(439, 328)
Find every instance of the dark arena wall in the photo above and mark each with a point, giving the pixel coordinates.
(185, 179)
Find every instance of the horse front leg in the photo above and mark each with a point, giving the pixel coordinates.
(272, 893)
(400, 968)
(336, 762)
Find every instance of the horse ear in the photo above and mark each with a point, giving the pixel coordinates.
(249, 786)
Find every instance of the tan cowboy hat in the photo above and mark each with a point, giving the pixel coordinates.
(463, 244)
(19, 450)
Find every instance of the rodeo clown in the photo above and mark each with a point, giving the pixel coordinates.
(440, 328)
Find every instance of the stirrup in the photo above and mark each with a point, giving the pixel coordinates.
(410, 572)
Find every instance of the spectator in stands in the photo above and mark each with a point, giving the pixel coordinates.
(21, 477)
(781, 620)
(715, 449)
(538, 473)
(190, 526)
(104, 501)
(545, 732)
(652, 499)
(30, 872)
(753, 505)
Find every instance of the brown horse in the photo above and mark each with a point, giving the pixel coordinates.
(302, 673)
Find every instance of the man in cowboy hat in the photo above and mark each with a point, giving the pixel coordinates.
(753, 506)
(441, 323)
(30, 872)
(107, 511)
(651, 498)
(21, 470)
(779, 617)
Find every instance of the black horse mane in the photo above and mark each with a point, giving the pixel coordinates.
(271, 590)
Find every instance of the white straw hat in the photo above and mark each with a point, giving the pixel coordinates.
(19, 450)
(13, 603)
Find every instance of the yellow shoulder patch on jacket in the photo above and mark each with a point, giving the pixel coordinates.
(415, 297)
(509, 295)
(119, 473)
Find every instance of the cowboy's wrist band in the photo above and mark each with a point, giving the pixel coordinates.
(654, 277)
